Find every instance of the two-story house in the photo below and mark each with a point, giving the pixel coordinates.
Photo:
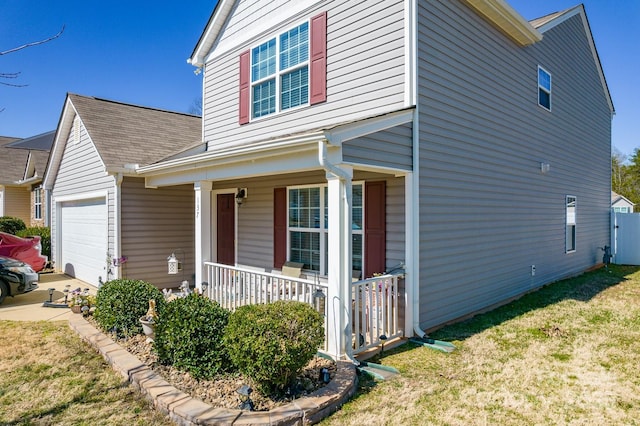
(451, 140)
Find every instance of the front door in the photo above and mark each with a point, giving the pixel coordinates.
(226, 229)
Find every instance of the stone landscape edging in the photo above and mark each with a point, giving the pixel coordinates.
(185, 410)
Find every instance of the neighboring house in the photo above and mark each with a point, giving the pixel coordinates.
(620, 204)
(351, 131)
(38, 148)
(101, 213)
(22, 164)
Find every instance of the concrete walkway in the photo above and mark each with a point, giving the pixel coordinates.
(28, 306)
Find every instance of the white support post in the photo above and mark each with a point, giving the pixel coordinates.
(339, 265)
(203, 228)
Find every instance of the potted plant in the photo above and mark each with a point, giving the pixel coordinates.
(149, 319)
(81, 301)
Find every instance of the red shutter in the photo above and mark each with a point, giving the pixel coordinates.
(318, 71)
(279, 227)
(244, 97)
(375, 233)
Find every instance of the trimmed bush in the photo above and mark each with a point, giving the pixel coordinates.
(11, 225)
(189, 335)
(45, 237)
(120, 304)
(271, 343)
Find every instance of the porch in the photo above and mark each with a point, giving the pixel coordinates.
(372, 312)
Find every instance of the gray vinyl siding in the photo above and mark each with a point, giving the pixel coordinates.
(17, 203)
(255, 216)
(82, 171)
(154, 224)
(487, 213)
(365, 75)
(391, 148)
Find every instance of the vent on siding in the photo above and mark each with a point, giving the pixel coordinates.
(76, 130)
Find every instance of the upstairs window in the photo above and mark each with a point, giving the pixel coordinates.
(544, 88)
(571, 224)
(280, 72)
(285, 72)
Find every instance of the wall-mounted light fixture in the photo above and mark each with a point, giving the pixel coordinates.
(173, 264)
(241, 195)
(544, 168)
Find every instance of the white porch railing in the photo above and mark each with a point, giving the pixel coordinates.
(374, 304)
(374, 311)
(233, 287)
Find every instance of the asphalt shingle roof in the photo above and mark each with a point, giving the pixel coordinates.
(12, 161)
(131, 134)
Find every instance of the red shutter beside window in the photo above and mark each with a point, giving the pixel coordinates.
(244, 88)
(279, 227)
(318, 71)
(375, 233)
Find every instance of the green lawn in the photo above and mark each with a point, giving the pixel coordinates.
(566, 354)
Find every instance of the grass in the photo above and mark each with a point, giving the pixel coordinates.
(48, 376)
(567, 354)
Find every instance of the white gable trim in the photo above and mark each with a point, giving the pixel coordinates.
(579, 10)
(69, 114)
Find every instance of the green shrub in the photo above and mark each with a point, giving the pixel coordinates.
(271, 343)
(189, 335)
(120, 304)
(11, 225)
(45, 237)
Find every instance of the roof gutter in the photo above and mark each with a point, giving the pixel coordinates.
(507, 20)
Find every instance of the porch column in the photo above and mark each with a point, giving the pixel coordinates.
(203, 228)
(339, 264)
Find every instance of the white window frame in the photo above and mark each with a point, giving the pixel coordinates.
(571, 221)
(544, 89)
(323, 231)
(37, 203)
(279, 73)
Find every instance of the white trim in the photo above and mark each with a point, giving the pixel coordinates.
(410, 53)
(412, 230)
(81, 196)
(503, 16)
(345, 132)
(539, 86)
(117, 223)
(216, 48)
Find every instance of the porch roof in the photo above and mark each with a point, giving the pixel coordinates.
(292, 152)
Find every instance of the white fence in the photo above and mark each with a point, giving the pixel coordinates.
(625, 238)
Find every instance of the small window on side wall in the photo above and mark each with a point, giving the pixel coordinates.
(570, 245)
(544, 88)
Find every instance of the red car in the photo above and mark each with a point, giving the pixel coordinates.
(27, 250)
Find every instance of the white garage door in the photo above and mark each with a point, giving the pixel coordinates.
(83, 239)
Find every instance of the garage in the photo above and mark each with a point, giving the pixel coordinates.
(83, 239)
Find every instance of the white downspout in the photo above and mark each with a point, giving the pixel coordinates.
(340, 263)
(118, 224)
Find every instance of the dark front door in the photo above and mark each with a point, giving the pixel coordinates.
(226, 230)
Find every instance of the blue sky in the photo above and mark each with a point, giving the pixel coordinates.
(136, 51)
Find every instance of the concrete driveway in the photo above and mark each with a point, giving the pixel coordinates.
(28, 306)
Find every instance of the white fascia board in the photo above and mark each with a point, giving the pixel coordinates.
(345, 132)
(261, 30)
(247, 166)
(214, 26)
(261, 148)
(59, 144)
(579, 10)
(82, 196)
(503, 16)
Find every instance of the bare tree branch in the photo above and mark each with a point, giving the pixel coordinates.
(34, 43)
(11, 75)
